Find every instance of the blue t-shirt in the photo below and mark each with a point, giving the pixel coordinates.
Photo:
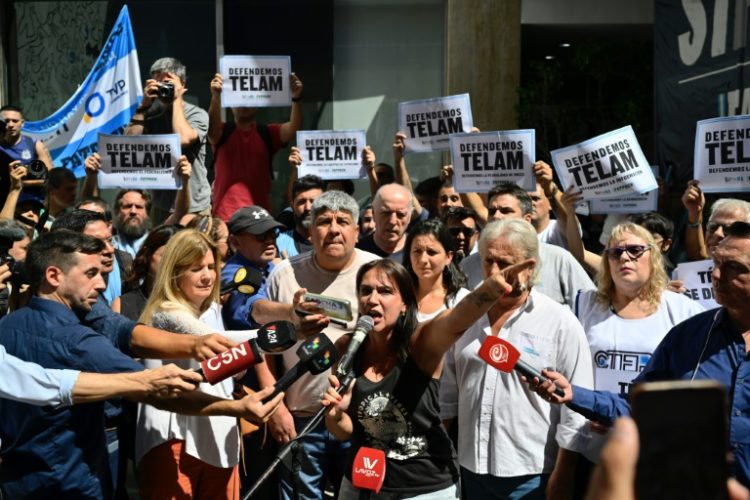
(56, 452)
(237, 311)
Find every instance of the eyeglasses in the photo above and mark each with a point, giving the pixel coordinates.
(739, 229)
(633, 251)
(468, 232)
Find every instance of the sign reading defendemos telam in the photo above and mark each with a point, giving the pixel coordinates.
(428, 123)
(483, 159)
(139, 161)
(255, 81)
(332, 154)
(607, 166)
(632, 204)
(722, 154)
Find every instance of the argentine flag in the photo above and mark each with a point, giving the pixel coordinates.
(104, 103)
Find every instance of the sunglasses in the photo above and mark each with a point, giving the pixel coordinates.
(633, 251)
(468, 232)
(737, 229)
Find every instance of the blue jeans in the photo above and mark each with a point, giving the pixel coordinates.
(320, 458)
(488, 487)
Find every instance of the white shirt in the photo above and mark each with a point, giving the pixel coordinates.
(505, 429)
(460, 294)
(621, 348)
(554, 234)
(213, 439)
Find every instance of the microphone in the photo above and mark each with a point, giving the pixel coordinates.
(505, 357)
(368, 469)
(276, 337)
(230, 362)
(246, 280)
(273, 338)
(316, 355)
(361, 330)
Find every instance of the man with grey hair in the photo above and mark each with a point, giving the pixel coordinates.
(329, 269)
(724, 211)
(561, 275)
(164, 110)
(499, 457)
(392, 209)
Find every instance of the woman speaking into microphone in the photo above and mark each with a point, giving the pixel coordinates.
(393, 404)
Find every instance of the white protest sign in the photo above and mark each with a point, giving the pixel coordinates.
(428, 123)
(634, 204)
(696, 277)
(722, 154)
(606, 166)
(481, 160)
(332, 154)
(139, 161)
(255, 81)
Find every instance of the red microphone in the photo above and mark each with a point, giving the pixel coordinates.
(231, 362)
(502, 355)
(368, 470)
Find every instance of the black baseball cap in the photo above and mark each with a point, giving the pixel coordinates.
(254, 220)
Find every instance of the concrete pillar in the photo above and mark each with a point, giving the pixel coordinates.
(483, 58)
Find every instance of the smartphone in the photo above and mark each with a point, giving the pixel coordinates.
(334, 308)
(683, 429)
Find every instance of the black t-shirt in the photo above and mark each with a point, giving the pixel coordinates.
(400, 415)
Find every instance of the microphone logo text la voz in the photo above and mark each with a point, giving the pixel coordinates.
(368, 467)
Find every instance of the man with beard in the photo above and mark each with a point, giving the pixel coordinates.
(463, 224)
(297, 240)
(95, 224)
(164, 110)
(132, 221)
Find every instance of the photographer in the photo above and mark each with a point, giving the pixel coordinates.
(20, 150)
(164, 111)
(13, 282)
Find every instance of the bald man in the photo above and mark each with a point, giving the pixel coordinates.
(392, 209)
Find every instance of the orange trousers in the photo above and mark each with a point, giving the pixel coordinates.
(166, 471)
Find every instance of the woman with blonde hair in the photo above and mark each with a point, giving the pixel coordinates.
(631, 310)
(182, 456)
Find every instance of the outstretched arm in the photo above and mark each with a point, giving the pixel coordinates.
(433, 338)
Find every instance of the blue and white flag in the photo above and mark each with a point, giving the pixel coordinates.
(104, 103)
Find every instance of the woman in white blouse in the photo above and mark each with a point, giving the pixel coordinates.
(428, 257)
(182, 456)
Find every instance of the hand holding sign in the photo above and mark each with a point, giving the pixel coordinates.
(184, 169)
(693, 201)
(217, 83)
(296, 85)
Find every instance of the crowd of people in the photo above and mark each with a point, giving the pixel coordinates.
(108, 310)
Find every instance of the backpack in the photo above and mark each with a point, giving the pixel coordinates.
(264, 134)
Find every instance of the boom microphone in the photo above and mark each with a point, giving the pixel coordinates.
(368, 469)
(361, 330)
(273, 338)
(505, 357)
(316, 355)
